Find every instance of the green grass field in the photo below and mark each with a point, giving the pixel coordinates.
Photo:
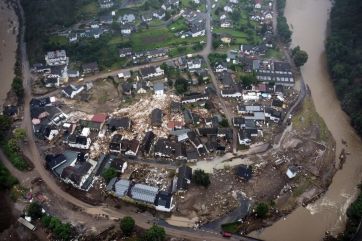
(158, 38)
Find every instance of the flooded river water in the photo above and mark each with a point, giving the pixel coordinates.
(8, 27)
(308, 19)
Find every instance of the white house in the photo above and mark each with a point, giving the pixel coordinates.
(292, 172)
(228, 9)
(234, 1)
(251, 95)
(257, 4)
(71, 91)
(243, 137)
(106, 3)
(124, 74)
(58, 57)
(230, 93)
(220, 68)
(160, 14)
(159, 88)
(151, 72)
(225, 23)
(194, 64)
(223, 16)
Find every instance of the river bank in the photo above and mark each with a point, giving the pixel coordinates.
(8, 32)
(309, 19)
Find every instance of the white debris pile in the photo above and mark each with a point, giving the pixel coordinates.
(158, 177)
(75, 116)
(140, 113)
(99, 147)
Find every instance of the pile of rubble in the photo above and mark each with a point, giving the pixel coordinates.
(140, 113)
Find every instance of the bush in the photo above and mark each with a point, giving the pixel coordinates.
(155, 233)
(127, 225)
(6, 179)
(34, 211)
(262, 210)
(202, 178)
(181, 85)
(300, 57)
(61, 231)
(109, 173)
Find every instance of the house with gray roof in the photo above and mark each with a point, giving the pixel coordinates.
(144, 193)
(121, 187)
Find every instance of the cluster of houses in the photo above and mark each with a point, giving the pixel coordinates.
(143, 57)
(54, 72)
(195, 22)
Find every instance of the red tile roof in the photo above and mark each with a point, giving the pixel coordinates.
(99, 118)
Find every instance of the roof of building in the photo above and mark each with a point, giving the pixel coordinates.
(99, 118)
(184, 176)
(144, 193)
(163, 199)
(244, 172)
(121, 187)
(156, 116)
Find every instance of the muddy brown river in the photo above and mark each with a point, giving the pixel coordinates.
(308, 19)
(8, 22)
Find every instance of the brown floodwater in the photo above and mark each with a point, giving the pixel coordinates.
(308, 19)
(8, 31)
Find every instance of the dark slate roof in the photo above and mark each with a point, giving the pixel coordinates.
(180, 150)
(207, 131)
(156, 117)
(244, 172)
(119, 123)
(163, 146)
(147, 141)
(40, 102)
(184, 175)
(192, 154)
(147, 71)
(54, 160)
(163, 199)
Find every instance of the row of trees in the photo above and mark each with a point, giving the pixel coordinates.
(61, 231)
(344, 57)
(284, 32)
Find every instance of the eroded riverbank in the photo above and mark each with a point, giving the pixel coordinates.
(309, 20)
(8, 45)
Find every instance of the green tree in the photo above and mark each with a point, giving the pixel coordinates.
(34, 211)
(20, 134)
(224, 123)
(300, 57)
(127, 225)
(155, 233)
(6, 179)
(249, 79)
(17, 86)
(181, 85)
(5, 124)
(200, 177)
(262, 210)
(109, 173)
(45, 220)
(283, 29)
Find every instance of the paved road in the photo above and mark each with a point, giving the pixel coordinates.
(205, 53)
(143, 220)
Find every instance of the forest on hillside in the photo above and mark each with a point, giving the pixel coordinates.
(44, 17)
(344, 56)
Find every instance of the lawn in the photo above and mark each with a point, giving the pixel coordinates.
(89, 10)
(192, 5)
(178, 25)
(158, 38)
(274, 54)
